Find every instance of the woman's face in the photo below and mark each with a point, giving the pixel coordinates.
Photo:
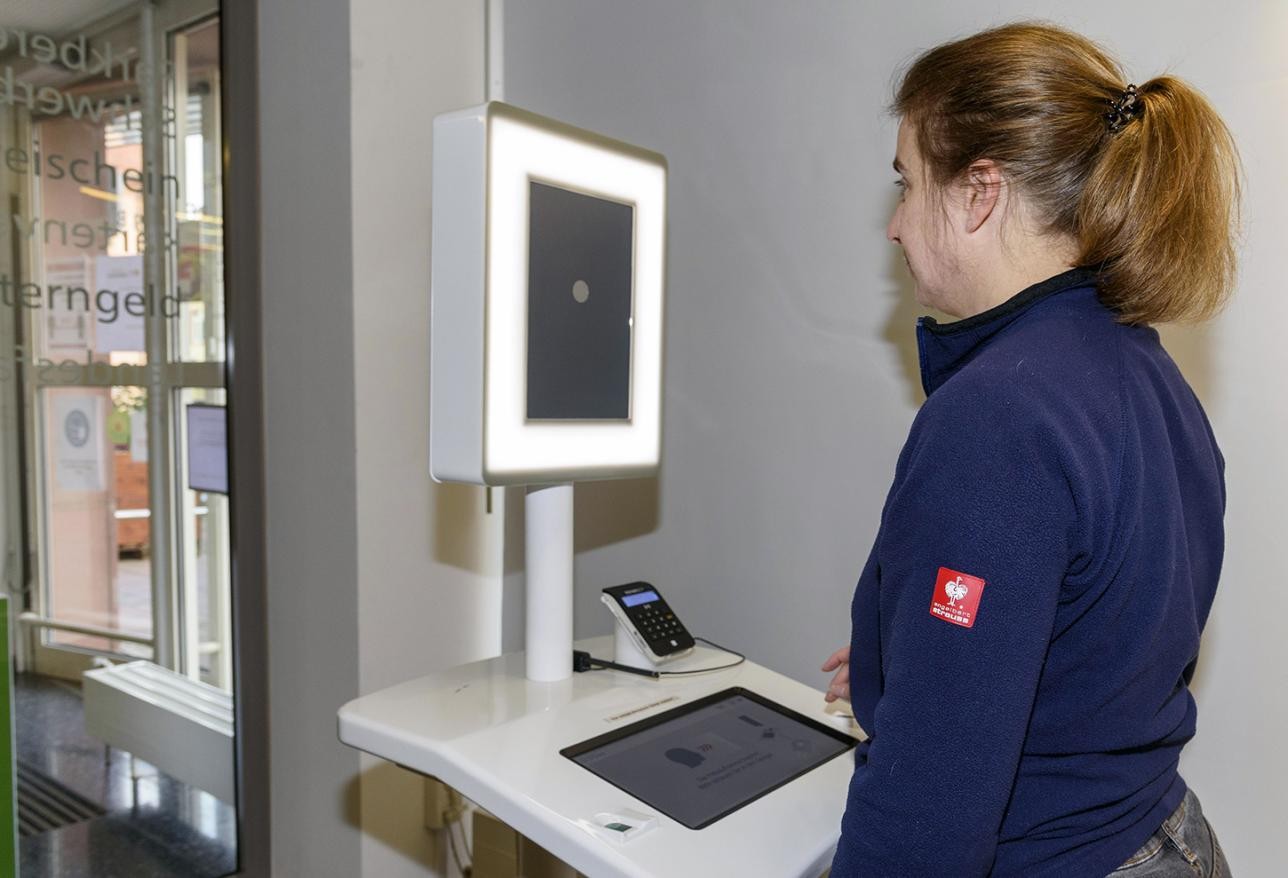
(922, 228)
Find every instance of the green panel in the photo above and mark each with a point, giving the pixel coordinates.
(8, 806)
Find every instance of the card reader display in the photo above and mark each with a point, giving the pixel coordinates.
(705, 760)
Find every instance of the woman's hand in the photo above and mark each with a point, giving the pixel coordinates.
(840, 685)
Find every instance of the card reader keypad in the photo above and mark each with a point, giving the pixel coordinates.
(657, 623)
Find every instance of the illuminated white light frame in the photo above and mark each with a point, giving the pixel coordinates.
(523, 148)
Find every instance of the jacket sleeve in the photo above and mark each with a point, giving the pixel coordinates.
(983, 495)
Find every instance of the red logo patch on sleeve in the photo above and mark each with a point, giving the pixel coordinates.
(956, 597)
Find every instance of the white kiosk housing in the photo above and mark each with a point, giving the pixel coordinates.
(548, 280)
(548, 267)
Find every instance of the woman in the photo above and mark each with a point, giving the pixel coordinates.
(1028, 621)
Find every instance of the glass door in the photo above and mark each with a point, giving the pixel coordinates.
(114, 480)
(116, 338)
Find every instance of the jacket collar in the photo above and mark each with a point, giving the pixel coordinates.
(944, 348)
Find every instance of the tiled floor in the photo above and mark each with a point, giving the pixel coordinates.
(155, 827)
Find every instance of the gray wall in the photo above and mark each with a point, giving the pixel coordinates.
(429, 556)
(787, 396)
(791, 374)
(310, 517)
(375, 574)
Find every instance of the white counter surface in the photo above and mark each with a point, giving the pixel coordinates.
(486, 730)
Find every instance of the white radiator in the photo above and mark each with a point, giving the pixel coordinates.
(183, 727)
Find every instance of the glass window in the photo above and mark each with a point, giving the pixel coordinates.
(96, 477)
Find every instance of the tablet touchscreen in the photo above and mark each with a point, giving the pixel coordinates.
(706, 759)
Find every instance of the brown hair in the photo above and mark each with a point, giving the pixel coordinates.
(1152, 206)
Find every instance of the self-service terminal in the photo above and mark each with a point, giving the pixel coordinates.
(675, 757)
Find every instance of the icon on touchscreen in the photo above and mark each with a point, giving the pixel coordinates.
(685, 757)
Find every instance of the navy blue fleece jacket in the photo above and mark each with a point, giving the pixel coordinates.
(1029, 618)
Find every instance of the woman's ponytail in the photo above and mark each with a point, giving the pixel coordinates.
(1158, 211)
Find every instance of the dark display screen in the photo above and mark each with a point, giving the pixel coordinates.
(705, 760)
(580, 270)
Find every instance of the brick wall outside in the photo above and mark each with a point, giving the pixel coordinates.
(131, 493)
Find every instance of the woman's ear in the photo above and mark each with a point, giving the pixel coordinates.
(983, 192)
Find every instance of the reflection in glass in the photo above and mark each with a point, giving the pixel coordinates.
(199, 271)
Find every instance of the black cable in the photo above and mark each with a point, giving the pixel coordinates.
(584, 661)
(741, 658)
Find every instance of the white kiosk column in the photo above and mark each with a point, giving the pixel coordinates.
(549, 559)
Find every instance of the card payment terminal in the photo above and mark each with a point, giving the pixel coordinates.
(653, 626)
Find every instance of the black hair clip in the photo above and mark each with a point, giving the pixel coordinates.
(1123, 110)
